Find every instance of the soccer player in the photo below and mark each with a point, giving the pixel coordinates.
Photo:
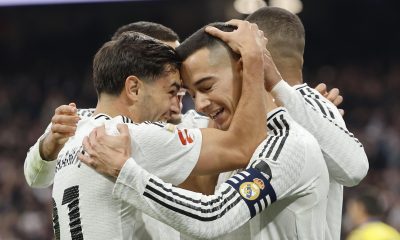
(286, 177)
(344, 155)
(167, 36)
(79, 192)
(40, 165)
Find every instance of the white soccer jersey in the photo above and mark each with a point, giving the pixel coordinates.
(38, 172)
(344, 155)
(287, 178)
(83, 205)
(192, 119)
(154, 229)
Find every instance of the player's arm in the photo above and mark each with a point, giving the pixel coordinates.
(220, 150)
(332, 95)
(237, 200)
(345, 156)
(283, 174)
(40, 163)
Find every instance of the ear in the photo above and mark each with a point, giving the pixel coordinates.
(239, 66)
(132, 87)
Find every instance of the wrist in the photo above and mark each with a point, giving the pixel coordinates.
(48, 149)
(271, 83)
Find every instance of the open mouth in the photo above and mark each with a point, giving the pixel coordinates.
(216, 114)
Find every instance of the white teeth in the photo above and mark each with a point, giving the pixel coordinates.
(213, 116)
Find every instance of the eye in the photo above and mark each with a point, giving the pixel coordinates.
(173, 93)
(205, 88)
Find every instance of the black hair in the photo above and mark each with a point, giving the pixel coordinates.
(135, 54)
(154, 30)
(284, 30)
(201, 39)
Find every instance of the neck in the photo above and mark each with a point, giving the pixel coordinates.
(292, 76)
(113, 106)
(290, 69)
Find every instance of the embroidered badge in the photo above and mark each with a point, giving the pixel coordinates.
(249, 190)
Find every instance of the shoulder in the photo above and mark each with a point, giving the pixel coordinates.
(192, 119)
(85, 112)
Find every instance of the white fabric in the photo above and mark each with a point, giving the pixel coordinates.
(344, 155)
(101, 216)
(39, 172)
(299, 177)
(191, 119)
(154, 228)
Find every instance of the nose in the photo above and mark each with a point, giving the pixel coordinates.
(175, 107)
(201, 102)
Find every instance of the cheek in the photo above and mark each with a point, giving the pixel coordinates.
(165, 102)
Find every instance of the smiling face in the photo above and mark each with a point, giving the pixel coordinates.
(157, 99)
(213, 79)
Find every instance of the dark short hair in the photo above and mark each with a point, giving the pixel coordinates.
(201, 39)
(284, 30)
(135, 54)
(154, 30)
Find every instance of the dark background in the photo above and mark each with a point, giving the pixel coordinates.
(45, 61)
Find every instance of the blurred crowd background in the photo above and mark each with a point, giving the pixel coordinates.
(45, 61)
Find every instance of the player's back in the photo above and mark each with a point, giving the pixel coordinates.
(83, 207)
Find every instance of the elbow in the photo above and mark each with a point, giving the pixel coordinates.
(358, 174)
(243, 157)
(29, 179)
(33, 182)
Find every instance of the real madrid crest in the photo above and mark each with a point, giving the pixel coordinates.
(249, 190)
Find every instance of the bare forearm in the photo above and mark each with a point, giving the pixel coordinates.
(202, 184)
(248, 124)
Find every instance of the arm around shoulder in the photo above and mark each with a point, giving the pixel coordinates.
(344, 154)
(38, 172)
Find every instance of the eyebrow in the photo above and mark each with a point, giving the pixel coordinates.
(198, 82)
(177, 85)
(201, 81)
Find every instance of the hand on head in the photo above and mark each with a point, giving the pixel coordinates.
(245, 39)
(248, 39)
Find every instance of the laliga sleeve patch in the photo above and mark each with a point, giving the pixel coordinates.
(184, 136)
(254, 188)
